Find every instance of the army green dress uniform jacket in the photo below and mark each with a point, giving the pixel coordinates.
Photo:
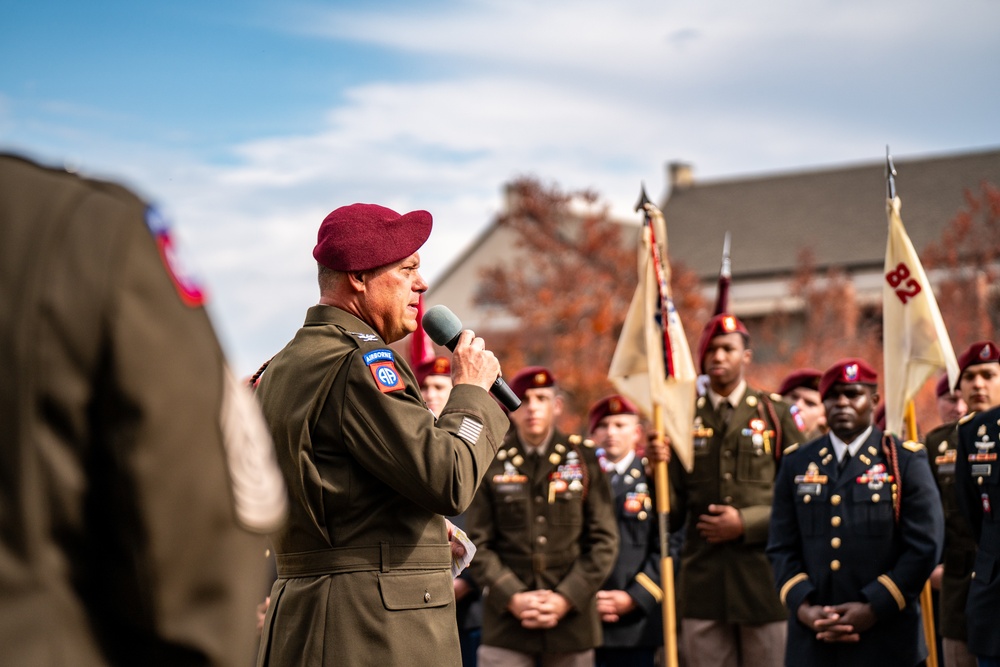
(543, 524)
(835, 538)
(977, 482)
(731, 582)
(119, 534)
(364, 564)
(959, 544)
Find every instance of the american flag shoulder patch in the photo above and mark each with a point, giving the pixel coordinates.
(470, 430)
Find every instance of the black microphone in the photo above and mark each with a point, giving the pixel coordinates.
(444, 328)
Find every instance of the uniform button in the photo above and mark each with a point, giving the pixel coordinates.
(728, 500)
(539, 500)
(835, 543)
(835, 521)
(973, 575)
(979, 481)
(642, 515)
(542, 540)
(540, 519)
(728, 476)
(835, 500)
(876, 497)
(835, 565)
(427, 596)
(807, 499)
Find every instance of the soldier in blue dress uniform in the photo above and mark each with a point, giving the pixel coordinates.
(977, 483)
(630, 602)
(856, 528)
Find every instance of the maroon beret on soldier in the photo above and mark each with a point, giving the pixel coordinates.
(532, 377)
(360, 237)
(983, 352)
(847, 371)
(942, 388)
(720, 325)
(436, 366)
(804, 377)
(608, 406)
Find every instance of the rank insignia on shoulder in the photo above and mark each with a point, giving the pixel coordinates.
(966, 418)
(913, 445)
(382, 364)
(364, 337)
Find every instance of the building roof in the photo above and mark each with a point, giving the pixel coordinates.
(838, 213)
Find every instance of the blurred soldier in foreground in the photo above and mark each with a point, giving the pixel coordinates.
(133, 462)
(545, 537)
(630, 602)
(800, 389)
(364, 566)
(855, 531)
(979, 389)
(730, 613)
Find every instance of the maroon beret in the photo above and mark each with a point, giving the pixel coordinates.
(847, 371)
(942, 388)
(436, 366)
(366, 236)
(720, 325)
(804, 377)
(532, 377)
(983, 352)
(610, 405)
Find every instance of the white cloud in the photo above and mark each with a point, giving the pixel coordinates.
(587, 93)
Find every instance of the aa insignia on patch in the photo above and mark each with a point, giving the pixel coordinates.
(382, 364)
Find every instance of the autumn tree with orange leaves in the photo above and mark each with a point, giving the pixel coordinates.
(571, 292)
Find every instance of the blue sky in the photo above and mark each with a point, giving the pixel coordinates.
(249, 121)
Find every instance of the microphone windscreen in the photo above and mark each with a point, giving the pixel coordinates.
(441, 325)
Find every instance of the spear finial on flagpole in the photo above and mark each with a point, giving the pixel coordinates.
(643, 199)
(890, 175)
(725, 277)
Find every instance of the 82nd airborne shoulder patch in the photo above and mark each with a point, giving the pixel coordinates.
(382, 364)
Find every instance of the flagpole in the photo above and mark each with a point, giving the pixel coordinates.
(662, 481)
(910, 419)
(926, 598)
(660, 477)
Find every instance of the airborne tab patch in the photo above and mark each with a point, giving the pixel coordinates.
(382, 364)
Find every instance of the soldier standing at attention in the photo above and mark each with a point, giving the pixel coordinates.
(979, 389)
(434, 378)
(800, 389)
(545, 536)
(364, 564)
(730, 613)
(949, 402)
(977, 489)
(630, 602)
(856, 529)
(134, 467)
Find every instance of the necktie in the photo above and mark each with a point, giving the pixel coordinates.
(725, 412)
(844, 460)
(616, 480)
